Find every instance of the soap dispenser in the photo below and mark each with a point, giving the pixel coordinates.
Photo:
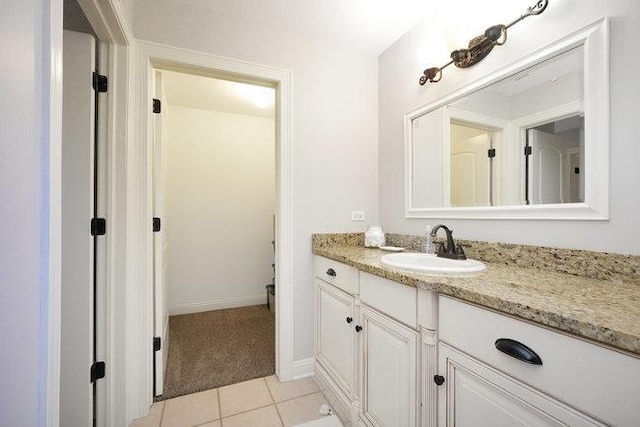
(374, 237)
(429, 247)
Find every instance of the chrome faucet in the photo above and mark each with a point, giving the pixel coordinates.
(450, 251)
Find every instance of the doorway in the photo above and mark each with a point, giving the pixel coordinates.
(214, 216)
(155, 57)
(472, 149)
(555, 161)
(106, 319)
(83, 323)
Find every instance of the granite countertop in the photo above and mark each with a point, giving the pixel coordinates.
(606, 311)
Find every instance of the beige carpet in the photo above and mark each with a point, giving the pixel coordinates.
(217, 348)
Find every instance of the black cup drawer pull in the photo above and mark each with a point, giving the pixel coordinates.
(518, 350)
(331, 272)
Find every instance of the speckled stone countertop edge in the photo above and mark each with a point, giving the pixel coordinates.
(616, 337)
(595, 265)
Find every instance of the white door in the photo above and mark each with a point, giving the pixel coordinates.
(546, 168)
(77, 305)
(335, 334)
(474, 394)
(389, 371)
(159, 245)
(470, 170)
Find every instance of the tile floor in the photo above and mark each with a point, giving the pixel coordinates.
(263, 402)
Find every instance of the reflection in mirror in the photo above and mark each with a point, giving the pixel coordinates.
(519, 141)
(471, 165)
(555, 166)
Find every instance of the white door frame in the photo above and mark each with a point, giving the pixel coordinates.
(108, 19)
(156, 56)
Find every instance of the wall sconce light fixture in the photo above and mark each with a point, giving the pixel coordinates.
(479, 47)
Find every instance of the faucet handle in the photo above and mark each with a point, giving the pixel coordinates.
(460, 252)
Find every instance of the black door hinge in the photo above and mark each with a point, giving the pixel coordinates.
(100, 82)
(157, 224)
(98, 226)
(491, 153)
(157, 106)
(157, 343)
(98, 370)
(527, 150)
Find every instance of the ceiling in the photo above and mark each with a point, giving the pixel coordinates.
(207, 93)
(369, 26)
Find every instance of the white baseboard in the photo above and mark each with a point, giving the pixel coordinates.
(303, 368)
(198, 307)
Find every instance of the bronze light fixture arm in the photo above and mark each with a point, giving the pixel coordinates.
(536, 9)
(433, 74)
(480, 46)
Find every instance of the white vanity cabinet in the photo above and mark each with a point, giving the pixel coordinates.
(334, 335)
(574, 382)
(388, 371)
(374, 341)
(336, 288)
(389, 353)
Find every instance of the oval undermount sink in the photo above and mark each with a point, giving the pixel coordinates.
(429, 263)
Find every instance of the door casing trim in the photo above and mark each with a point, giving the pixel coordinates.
(108, 19)
(154, 56)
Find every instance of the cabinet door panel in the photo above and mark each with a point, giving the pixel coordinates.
(477, 399)
(335, 336)
(475, 394)
(389, 371)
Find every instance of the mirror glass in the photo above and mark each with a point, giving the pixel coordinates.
(519, 141)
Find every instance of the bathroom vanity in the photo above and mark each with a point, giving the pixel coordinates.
(368, 330)
(511, 346)
(543, 337)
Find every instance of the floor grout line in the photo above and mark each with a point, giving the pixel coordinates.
(219, 406)
(162, 414)
(271, 396)
(297, 397)
(274, 401)
(248, 410)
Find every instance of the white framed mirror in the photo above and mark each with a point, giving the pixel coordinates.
(530, 141)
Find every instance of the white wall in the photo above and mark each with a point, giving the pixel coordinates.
(25, 230)
(335, 113)
(220, 201)
(399, 93)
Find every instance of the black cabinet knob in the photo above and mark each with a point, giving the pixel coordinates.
(438, 379)
(358, 328)
(331, 272)
(349, 319)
